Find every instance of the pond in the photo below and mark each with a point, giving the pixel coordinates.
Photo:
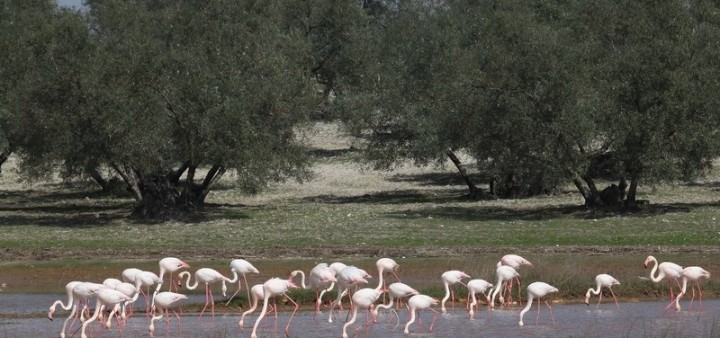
(23, 315)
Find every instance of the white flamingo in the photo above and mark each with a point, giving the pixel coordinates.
(537, 290)
(450, 278)
(602, 280)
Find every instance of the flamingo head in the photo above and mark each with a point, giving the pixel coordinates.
(182, 264)
(647, 261)
(50, 313)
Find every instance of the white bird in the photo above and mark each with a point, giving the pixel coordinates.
(256, 293)
(667, 270)
(105, 298)
(395, 291)
(272, 288)
(206, 276)
(474, 287)
(418, 303)
(321, 280)
(241, 267)
(514, 261)
(362, 299)
(450, 278)
(347, 279)
(146, 279)
(505, 274)
(128, 275)
(171, 265)
(692, 274)
(82, 292)
(602, 280)
(165, 301)
(537, 290)
(386, 265)
(70, 299)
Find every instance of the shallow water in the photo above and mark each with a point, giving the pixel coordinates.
(642, 319)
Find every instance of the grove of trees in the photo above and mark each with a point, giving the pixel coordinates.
(539, 93)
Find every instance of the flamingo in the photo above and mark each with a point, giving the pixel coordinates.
(349, 277)
(128, 275)
(474, 287)
(130, 291)
(257, 293)
(450, 278)
(514, 261)
(272, 288)
(693, 274)
(602, 280)
(82, 292)
(111, 282)
(397, 291)
(207, 276)
(105, 298)
(505, 274)
(171, 265)
(667, 270)
(165, 301)
(321, 279)
(362, 299)
(146, 279)
(68, 290)
(386, 265)
(537, 290)
(419, 303)
(242, 267)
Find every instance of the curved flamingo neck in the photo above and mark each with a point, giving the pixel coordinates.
(235, 277)
(302, 278)
(187, 281)
(654, 269)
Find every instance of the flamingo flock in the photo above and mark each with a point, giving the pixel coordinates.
(117, 295)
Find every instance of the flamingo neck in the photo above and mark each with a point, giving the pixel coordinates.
(187, 282)
(652, 272)
(302, 278)
(235, 277)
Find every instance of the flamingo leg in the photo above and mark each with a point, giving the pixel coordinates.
(551, 313)
(599, 299)
(436, 314)
(287, 327)
(614, 298)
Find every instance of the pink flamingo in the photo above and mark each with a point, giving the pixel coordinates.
(207, 276)
(348, 278)
(505, 274)
(386, 265)
(667, 270)
(257, 293)
(105, 298)
(242, 267)
(68, 290)
(146, 279)
(362, 299)
(419, 303)
(514, 261)
(321, 279)
(474, 287)
(450, 278)
(693, 274)
(602, 280)
(128, 275)
(537, 290)
(82, 292)
(397, 291)
(165, 301)
(171, 265)
(273, 288)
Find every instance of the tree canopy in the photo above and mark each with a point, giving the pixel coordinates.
(171, 95)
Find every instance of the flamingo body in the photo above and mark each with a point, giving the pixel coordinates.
(602, 280)
(418, 303)
(537, 290)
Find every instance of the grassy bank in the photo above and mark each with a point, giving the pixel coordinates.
(348, 213)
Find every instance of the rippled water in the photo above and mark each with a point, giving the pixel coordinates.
(644, 319)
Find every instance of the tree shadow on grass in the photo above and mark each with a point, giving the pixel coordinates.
(392, 197)
(481, 213)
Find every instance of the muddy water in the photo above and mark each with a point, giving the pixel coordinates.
(641, 319)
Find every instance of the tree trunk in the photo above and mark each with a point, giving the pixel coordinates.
(474, 192)
(630, 200)
(99, 179)
(160, 200)
(4, 157)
